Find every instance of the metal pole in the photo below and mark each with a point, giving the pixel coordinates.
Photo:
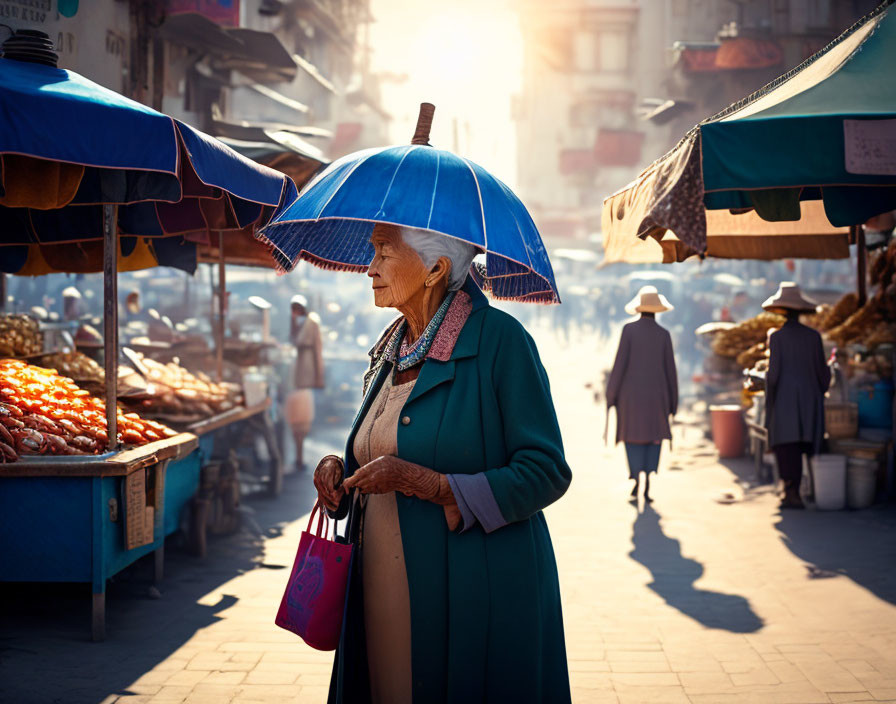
(221, 306)
(2, 291)
(110, 319)
(861, 264)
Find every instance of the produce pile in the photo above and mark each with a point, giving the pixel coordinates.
(871, 325)
(171, 390)
(42, 412)
(734, 341)
(753, 355)
(844, 323)
(76, 365)
(20, 335)
(830, 317)
(874, 323)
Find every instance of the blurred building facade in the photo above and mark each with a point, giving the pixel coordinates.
(610, 85)
(270, 77)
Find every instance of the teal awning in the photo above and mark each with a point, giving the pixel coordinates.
(824, 131)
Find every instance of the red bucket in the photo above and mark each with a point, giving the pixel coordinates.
(727, 430)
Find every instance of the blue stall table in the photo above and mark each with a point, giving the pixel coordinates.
(86, 518)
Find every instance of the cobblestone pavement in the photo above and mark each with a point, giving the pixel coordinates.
(686, 600)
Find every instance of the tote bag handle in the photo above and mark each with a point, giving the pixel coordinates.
(323, 521)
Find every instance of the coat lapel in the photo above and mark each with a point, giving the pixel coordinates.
(435, 372)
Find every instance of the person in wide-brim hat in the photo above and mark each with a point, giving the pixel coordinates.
(643, 386)
(648, 300)
(795, 384)
(789, 298)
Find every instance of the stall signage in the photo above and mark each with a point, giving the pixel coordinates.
(870, 146)
(27, 10)
(137, 532)
(90, 38)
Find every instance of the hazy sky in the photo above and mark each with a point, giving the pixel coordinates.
(465, 56)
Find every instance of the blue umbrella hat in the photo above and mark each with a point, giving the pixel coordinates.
(419, 187)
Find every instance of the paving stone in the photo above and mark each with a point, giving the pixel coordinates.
(639, 666)
(651, 695)
(595, 696)
(588, 666)
(646, 679)
(755, 676)
(224, 678)
(271, 677)
(153, 677)
(787, 672)
(170, 695)
(187, 678)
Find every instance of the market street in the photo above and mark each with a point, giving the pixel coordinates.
(687, 600)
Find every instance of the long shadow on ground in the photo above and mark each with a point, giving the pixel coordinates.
(45, 653)
(859, 545)
(674, 576)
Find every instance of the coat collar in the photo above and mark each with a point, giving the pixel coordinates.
(461, 339)
(449, 343)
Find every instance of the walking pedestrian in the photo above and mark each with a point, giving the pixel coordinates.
(795, 384)
(643, 386)
(456, 450)
(308, 374)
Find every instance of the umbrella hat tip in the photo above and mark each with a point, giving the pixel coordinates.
(424, 124)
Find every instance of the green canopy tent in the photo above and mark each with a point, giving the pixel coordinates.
(825, 131)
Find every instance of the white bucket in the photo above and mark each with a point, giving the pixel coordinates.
(861, 482)
(829, 472)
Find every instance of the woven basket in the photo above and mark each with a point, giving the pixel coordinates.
(841, 420)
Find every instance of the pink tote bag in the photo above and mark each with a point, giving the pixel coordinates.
(314, 602)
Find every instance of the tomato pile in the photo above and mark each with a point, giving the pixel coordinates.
(42, 412)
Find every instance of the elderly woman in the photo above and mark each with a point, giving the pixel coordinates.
(795, 384)
(456, 450)
(643, 386)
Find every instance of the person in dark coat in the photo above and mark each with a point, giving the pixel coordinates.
(795, 384)
(643, 386)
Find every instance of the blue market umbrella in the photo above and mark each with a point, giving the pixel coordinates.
(82, 165)
(69, 146)
(420, 187)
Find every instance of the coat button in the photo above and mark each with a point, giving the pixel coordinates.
(406, 420)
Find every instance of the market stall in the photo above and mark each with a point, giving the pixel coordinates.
(799, 156)
(87, 487)
(861, 339)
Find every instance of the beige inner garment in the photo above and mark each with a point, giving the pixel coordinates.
(387, 611)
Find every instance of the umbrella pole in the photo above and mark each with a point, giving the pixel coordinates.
(110, 319)
(861, 264)
(219, 352)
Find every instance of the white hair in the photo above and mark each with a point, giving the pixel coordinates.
(431, 245)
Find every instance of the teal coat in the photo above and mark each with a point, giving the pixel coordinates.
(486, 622)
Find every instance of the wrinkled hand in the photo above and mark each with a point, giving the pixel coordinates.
(453, 516)
(388, 473)
(327, 479)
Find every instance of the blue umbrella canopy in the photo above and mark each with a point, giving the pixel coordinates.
(821, 132)
(420, 187)
(68, 146)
